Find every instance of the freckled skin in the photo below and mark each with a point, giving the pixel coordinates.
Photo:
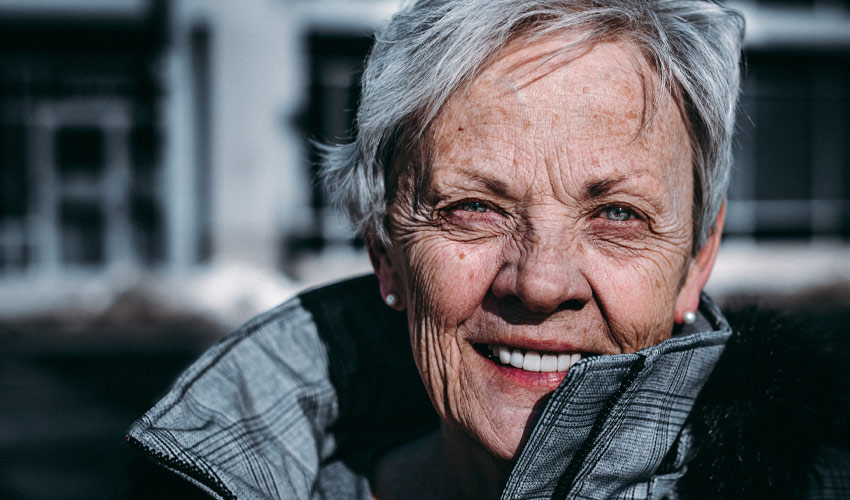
(535, 255)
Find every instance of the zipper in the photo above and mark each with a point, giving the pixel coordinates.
(191, 471)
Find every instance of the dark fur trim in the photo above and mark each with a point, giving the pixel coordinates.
(778, 393)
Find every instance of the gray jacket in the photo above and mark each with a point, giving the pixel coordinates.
(299, 401)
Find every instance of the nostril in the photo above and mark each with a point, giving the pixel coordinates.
(553, 307)
(515, 312)
(546, 296)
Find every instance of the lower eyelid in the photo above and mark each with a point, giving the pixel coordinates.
(603, 223)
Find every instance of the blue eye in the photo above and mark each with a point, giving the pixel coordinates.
(473, 206)
(618, 213)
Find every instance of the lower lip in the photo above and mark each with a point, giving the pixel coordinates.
(547, 381)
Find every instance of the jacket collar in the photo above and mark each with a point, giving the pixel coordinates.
(614, 428)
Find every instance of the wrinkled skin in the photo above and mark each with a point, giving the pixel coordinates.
(551, 220)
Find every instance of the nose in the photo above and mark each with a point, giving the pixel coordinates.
(546, 275)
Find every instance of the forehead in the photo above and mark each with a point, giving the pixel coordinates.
(579, 110)
(610, 78)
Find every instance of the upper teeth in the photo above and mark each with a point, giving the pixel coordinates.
(533, 361)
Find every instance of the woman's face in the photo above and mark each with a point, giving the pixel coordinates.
(553, 224)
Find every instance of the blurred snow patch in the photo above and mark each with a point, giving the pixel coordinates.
(745, 266)
(332, 264)
(232, 292)
(226, 294)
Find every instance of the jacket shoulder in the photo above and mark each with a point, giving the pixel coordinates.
(291, 393)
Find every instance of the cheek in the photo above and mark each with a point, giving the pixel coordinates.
(639, 298)
(448, 280)
(446, 283)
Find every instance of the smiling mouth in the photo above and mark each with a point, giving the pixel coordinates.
(528, 360)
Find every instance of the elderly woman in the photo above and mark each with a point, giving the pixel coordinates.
(541, 188)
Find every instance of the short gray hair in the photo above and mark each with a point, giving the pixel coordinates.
(431, 49)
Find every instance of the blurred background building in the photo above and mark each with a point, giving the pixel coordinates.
(158, 187)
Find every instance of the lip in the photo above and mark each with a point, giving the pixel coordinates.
(532, 344)
(538, 344)
(536, 381)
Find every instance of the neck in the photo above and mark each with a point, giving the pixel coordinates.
(446, 464)
(472, 470)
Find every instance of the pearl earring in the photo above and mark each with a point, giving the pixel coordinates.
(391, 299)
(689, 317)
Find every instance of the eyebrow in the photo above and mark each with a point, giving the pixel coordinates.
(593, 189)
(496, 186)
(599, 188)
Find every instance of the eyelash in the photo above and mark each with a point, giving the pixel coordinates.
(630, 214)
(479, 206)
(466, 211)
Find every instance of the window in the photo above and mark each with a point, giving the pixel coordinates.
(792, 174)
(80, 169)
(336, 65)
(14, 198)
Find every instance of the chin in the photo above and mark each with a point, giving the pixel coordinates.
(504, 401)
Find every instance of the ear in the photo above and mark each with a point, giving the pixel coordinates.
(386, 273)
(700, 269)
